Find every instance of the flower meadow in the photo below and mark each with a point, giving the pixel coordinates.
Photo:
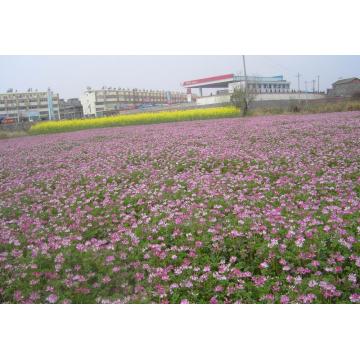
(250, 210)
(47, 127)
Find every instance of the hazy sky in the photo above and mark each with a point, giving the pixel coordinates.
(69, 75)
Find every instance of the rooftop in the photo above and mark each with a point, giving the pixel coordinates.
(345, 81)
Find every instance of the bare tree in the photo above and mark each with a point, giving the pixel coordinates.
(241, 98)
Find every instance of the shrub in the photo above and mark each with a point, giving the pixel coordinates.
(356, 96)
(294, 106)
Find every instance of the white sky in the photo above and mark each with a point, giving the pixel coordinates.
(69, 75)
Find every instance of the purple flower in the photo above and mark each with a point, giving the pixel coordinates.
(145, 214)
(106, 279)
(300, 241)
(355, 298)
(259, 280)
(110, 258)
(52, 298)
(219, 288)
(307, 299)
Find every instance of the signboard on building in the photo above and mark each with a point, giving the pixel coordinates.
(31, 115)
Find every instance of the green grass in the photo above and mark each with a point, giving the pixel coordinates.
(11, 134)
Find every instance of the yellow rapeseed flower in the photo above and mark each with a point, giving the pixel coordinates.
(133, 119)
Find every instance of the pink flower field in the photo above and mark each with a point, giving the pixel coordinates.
(255, 210)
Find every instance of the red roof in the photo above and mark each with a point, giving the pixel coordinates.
(208, 79)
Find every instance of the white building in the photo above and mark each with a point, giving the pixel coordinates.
(227, 82)
(29, 105)
(110, 101)
(261, 84)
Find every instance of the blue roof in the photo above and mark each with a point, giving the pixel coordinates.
(260, 78)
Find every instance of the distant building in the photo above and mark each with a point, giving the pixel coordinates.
(71, 109)
(111, 101)
(29, 105)
(261, 84)
(345, 87)
(256, 84)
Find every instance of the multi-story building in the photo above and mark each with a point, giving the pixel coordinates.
(29, 105)
(110, 101)
(256, 84)
(71, 109)
(261, 84)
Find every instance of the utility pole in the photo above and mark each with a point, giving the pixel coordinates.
(298, 76)
(246, 99)
(245, 72)
(318, 81)
(313, 87)
(50, 104)
(18, 110)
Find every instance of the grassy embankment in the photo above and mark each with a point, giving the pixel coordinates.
(11, 134)
(303, 107)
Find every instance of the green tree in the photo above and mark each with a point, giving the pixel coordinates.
(241, 98)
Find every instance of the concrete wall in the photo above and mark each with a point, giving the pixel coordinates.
(223, 99)
(289, 96)
(212, 100)
(285, 104)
